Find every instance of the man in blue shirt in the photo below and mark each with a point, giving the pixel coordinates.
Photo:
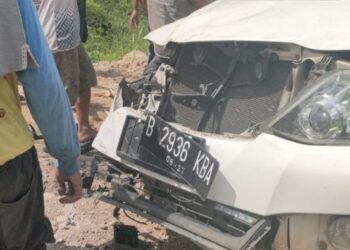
(24, 50)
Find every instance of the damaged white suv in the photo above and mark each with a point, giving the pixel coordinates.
(242, 141)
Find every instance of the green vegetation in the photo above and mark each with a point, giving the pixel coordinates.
(110, 36)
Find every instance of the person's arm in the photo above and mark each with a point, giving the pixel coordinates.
(49, 104)
(134, 17)
(197, 4)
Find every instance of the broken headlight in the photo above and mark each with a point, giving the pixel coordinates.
(320, 114)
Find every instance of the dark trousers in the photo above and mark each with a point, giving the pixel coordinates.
(23, 225)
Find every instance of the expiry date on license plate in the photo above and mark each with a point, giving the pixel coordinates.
(184, 156)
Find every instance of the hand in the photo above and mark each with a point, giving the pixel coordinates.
(134, 19)
(73, 183)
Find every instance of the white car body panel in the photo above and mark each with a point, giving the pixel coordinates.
(266, 175)
(319, 24)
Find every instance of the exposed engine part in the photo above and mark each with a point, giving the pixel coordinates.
(144, 93)
(261, 68)
(231, 100)
(216, 93)
(321, 67)
(283, 52)
(199, 55)
(164, 74)
(204, 87)
(125, 95)
(228, 48)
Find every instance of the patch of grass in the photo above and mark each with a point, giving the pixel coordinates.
(110, 36)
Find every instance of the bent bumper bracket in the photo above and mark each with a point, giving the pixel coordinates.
(195, 230)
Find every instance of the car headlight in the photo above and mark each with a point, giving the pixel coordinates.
(320, 114)
(339, 233)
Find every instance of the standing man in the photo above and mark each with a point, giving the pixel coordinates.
(25, 55)
(135, 12)
(134, 22)
(61, 24)
(160, 13)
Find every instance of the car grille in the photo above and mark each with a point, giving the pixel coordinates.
(244, 102)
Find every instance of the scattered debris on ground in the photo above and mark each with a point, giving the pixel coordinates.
(89, 223)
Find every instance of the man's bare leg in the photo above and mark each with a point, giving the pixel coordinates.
(82, 107)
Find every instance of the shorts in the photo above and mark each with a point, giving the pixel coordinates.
(23, 225)
(76, 70)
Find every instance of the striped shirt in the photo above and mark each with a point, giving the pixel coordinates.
(60, 22)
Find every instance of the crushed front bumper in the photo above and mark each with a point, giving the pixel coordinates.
(266, 175)
(202, 234)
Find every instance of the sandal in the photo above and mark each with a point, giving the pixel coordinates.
(86, 146)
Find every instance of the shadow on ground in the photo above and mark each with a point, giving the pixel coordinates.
(108, 73)
(175, 241)
(107, 246)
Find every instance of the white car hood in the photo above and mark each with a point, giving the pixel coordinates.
(317, 24)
